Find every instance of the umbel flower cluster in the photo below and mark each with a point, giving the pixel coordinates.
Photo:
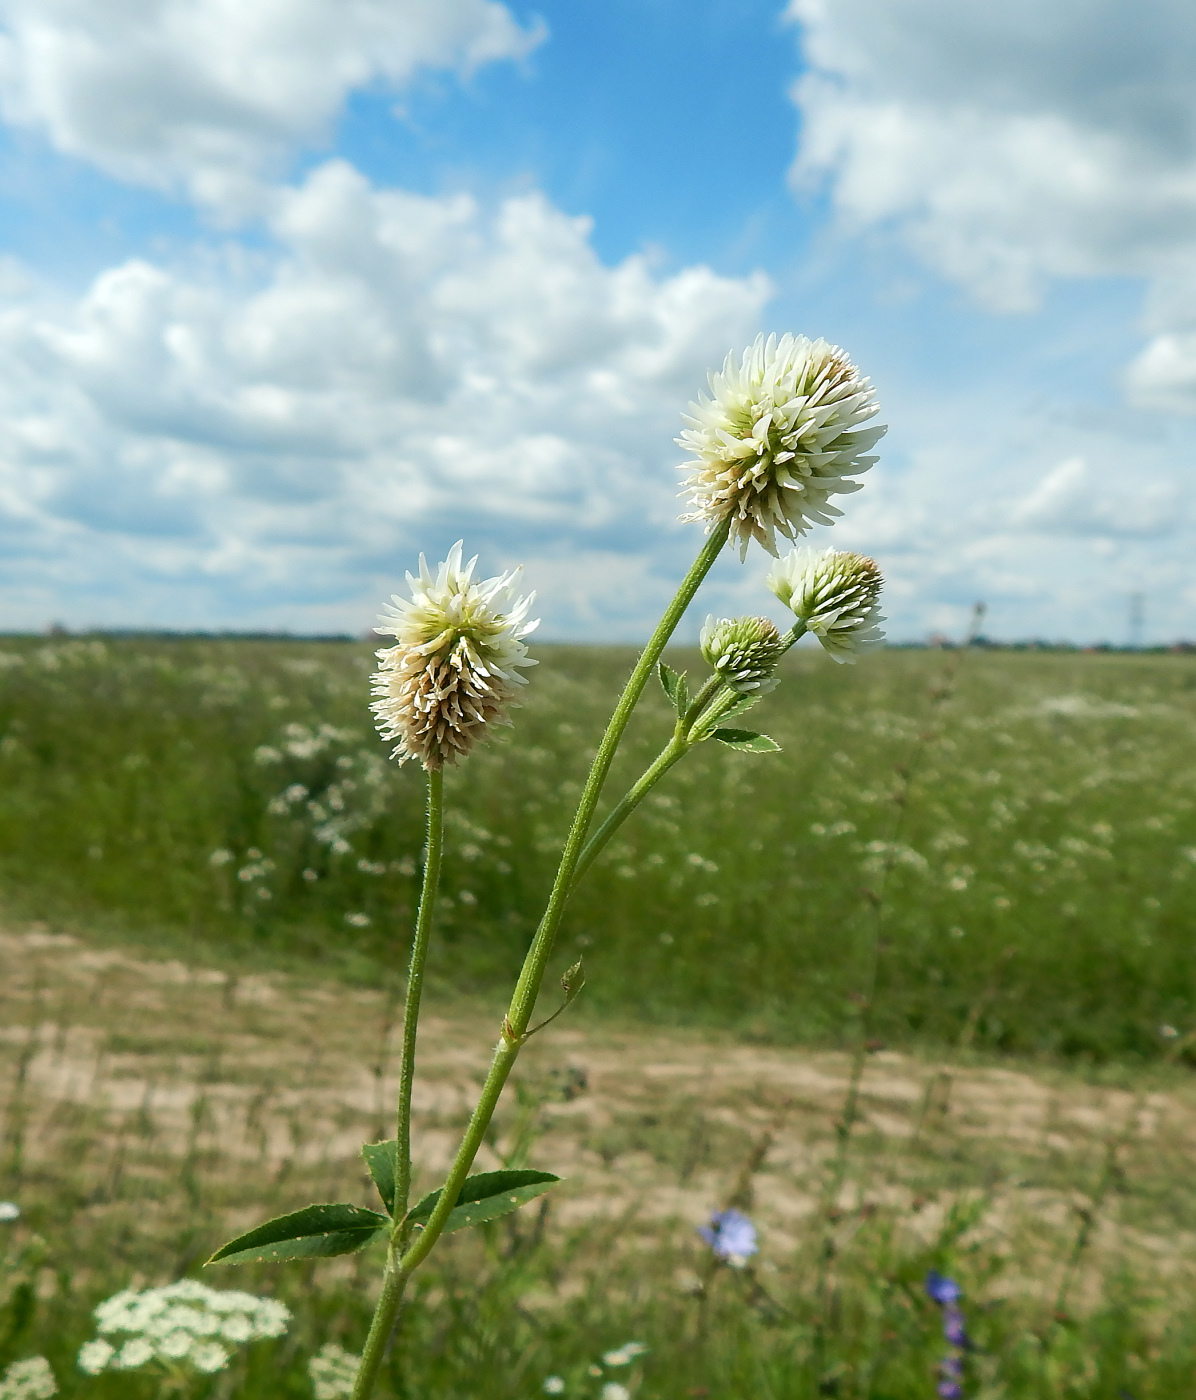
(31, 1379)
(333, 1372)
(782, 432)
(183, 1324)
(453, 673)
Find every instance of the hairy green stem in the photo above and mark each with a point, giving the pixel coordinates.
(393, 1281)
(434, 849)
(536, 962)
(676, 749)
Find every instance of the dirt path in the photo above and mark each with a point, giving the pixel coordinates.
(149, 1086)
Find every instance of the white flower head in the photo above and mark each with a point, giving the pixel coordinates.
(835, 594)
(333, 1372)
(781, 434)
(454, 669)
(9, 1210)
(95, 1355)
(179, 1323)
(743, 650)
(31, 1379)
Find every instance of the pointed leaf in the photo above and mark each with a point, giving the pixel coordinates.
(486, 1196)
(382, 1160)
(315, 1232)
(675, 687)
(740, 707)
(746, 741)
(573, 981)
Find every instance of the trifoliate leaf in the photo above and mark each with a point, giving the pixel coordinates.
(486, 1196)
(745, 741)
(315, 1232)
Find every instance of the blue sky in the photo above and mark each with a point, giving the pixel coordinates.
(291, 293)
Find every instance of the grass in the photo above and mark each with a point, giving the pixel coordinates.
(150, 1109)
(1030, 817)
(957, 901)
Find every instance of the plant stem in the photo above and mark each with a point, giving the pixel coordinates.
(393, 1280)
(673, 751)
(415, 985)
(676, 749)
(532, 975)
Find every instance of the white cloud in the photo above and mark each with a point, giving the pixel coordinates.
(1009, 143)
(207, 94)
(267, 438)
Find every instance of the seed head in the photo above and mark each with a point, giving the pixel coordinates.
(835, 594)
(783, 430)
(743, 650)
(453, 670)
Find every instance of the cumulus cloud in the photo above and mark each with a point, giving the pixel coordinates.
(268, 436)
(207, 94)
(1009, 143)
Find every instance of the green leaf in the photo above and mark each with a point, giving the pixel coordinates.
(740, 707)
(382, 1160)
(486, 1196)
(315, 1232)
(675, 687)
(745, 741)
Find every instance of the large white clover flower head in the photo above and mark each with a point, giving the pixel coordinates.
(783, 430)
(835, 594)
(743, 650)
(185, 1323)
(31, 1379)
(454, 670)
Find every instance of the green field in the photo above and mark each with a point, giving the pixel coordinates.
(1000, 846)
(1016, 830)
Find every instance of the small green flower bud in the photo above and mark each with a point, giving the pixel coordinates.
(743, 650)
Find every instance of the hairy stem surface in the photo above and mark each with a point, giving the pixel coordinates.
(393, 1281)
(535, 964)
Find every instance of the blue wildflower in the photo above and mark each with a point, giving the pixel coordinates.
(950, 1386)
(947, 1293)
(941, 1288)
(954, 1328)
(731, 1235)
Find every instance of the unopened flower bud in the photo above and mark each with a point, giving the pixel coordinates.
(743, 650)
(835, 595)
(453, 671)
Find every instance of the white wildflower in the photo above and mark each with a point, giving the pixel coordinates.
(835, 595)
(624, 1355)
(184, 1322)
(454, 670)
(779, 437)
(554, 1385)
(208, 1357)
(743, 650)
(31, 1379)
(9, 1210)
(612, 1390)
(135, 1352)
(333, 1372)
(95, 1355)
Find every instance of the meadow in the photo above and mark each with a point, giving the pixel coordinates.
(915, 993)
(1016, 831)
